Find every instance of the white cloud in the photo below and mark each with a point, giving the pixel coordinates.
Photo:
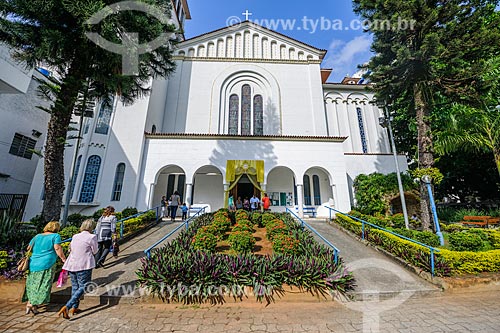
(344, 57)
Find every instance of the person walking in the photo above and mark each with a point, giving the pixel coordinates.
(105, 231)
(174, 204)
(184, 209)
(254, 203)
(163, 206)
(45, 249)
(266, 203)
(79, 264)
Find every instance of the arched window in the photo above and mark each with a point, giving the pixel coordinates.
(234, 106)
(362, 130)
(316, 190)
(258, 115)
(307, 191)
(104, 117)
(118, 184)
(90, 179)
(75, 175)
(246, 109)
(246, 113)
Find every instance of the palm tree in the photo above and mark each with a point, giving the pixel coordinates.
(53, 33)
(471, 130)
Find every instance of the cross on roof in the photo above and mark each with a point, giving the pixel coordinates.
(247, 14)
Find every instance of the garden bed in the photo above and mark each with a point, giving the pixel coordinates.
(220, 256)
(447, 262)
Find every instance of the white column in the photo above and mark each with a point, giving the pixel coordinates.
(300, 200)
(226, 188)
(189, 192)
(151, 194)
(263, 187)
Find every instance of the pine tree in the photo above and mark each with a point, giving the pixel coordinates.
(430, 49)
(52, 33)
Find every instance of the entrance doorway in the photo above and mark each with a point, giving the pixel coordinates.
(245, 189)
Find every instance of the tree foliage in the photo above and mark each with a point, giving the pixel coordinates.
(440, 54)
(373, 191)
(52, 33)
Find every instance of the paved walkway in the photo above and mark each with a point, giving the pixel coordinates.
(464, 312)
(376, 274)
(118, 278)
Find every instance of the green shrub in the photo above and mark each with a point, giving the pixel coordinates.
(243, 227)
(453, 227)
(3, 259)
(286, 244)
(267, 218)
(97, 214)
(426, 237)
(204, 240)
(274, 228)
(241, 241)
(38, 222)
(372, 190)
(128, 211)
(256, 218)
(68, 232)
(241, 214)
(465, 241)
(77, 219)
(398, 221)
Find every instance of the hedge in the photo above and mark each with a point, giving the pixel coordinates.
(446, 262)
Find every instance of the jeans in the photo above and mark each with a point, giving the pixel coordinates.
(103, 251)
(173, 210)
(79, 281)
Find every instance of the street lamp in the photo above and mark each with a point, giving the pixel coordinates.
(385, 122)
(426, 179)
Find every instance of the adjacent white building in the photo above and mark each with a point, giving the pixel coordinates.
(247, 111)
(22, 130)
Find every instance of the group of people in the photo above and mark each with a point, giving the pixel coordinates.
(169, 207)
(250, 205)
(87, 250)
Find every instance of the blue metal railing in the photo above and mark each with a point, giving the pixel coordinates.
(122, 225)
(363, 223)
(304, 224)
(186, 224)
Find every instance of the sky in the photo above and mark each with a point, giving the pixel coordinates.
(326, 24)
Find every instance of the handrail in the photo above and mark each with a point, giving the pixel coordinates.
(122, 225)
(363, 222)
(186, 223)
(336, 251)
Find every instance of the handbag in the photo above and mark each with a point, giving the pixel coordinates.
(63, 276)
(24, 263)
(116, 248)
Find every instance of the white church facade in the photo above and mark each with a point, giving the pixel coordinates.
(247, 111)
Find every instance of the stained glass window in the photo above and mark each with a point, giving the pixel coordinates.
(75, 175)
(362, 130)
(258, 115)
(90, 179)
(307, 191)
(317, 192)
(246, 109)
(104, 118)
(234, 109)
(118, 184)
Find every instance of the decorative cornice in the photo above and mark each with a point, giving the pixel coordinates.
(372, 154)
(197, 136)
(220, 59)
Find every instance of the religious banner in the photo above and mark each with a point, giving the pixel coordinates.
(235, 169)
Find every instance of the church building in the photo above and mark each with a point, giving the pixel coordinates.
(247, 111)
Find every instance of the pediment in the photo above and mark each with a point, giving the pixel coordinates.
(248, 41)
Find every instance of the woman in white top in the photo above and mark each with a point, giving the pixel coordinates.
(105, 231)
(79, 264)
